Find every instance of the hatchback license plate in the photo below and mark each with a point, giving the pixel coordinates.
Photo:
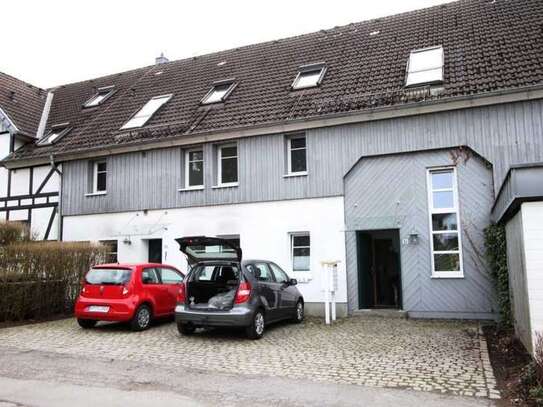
(97, 308)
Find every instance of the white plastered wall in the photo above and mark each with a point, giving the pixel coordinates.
(532, 224)
(263, 228)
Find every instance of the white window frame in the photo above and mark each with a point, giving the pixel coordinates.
(219, 166)
(292, 235)
(206, 99)
(95, 190)
(289, 154)
(306, 69)
(417, 51)
(107, 91)
(137, 114)
(456, 210)
(187, 166)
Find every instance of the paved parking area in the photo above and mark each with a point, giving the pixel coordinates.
(445, 357)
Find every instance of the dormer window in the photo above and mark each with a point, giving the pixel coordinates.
(219, 92)
(425, 66)
(54, 134)
(146, 112)
(100, 96)
(309, 76)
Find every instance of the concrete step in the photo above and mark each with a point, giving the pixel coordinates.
(380, 313)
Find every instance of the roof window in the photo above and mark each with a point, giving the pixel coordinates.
(146, 112)
(309, 76)
(219, 92)
(100, 96)
(425, 66)
(56, 132)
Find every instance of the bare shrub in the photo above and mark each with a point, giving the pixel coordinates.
(40, 279)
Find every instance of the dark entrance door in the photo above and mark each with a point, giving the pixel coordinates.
(379, 273)
(155, 250)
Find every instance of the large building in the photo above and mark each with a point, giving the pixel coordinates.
(381, 145)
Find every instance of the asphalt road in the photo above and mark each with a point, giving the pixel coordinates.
(42, 379)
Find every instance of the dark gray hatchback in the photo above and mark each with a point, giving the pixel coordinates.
(222, 290)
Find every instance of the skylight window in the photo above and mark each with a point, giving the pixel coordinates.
(309, 76)
(100, 96)
(54, 134)
(425, 66)
(219, 92)
(146, 112)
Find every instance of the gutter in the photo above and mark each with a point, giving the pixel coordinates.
(337, 119)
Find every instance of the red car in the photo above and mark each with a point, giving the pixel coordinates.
(134, 293)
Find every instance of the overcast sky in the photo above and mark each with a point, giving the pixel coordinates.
(53, 42)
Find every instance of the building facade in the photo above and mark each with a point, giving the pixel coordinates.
(346, 145)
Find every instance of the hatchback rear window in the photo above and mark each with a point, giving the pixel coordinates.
(215, 273)
(108, 276)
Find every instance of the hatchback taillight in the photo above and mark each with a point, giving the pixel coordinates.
(125, 290)
(181, 294)
(244, 292)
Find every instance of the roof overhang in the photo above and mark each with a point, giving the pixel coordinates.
(523, 183)
(288, 126)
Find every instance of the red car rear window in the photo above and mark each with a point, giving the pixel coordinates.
(108, 276)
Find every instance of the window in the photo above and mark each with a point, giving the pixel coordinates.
(219, 92)
(444, 223)
(111, 253)
(170, 277)
(146, 112)
(297, 155)
(194, 168)
(425, 66)
(103, 276)
(100, 96)
(300, 251)
(309, 76)
(228, 165)
(54, 134)
(149, 276)
(261, 271)
(280, 275)
(99, 179)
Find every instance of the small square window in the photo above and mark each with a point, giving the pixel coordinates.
(143, 115)
(99, 178)
(300, 251)
(112, 250)
(425, 66)
(194, 168)
(227, 160)
(297, 154)
(309, 76)
(218, 93)
(100, 96)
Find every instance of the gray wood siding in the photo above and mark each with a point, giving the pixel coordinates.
(390, 192)
(503, 134)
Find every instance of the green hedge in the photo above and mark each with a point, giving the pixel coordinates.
(496, 253)
(41, 279)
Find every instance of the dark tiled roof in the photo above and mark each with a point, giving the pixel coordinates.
(22, 102)
(489, 46)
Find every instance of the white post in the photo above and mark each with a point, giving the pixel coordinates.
(329, 285)
(326, 295)
(333, 277)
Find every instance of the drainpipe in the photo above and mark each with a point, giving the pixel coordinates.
(59, 207)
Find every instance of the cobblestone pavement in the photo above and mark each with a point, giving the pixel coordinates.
(446, 357)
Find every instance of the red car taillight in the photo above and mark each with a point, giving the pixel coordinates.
(181, 295)
(244, 292)
(125, 290)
